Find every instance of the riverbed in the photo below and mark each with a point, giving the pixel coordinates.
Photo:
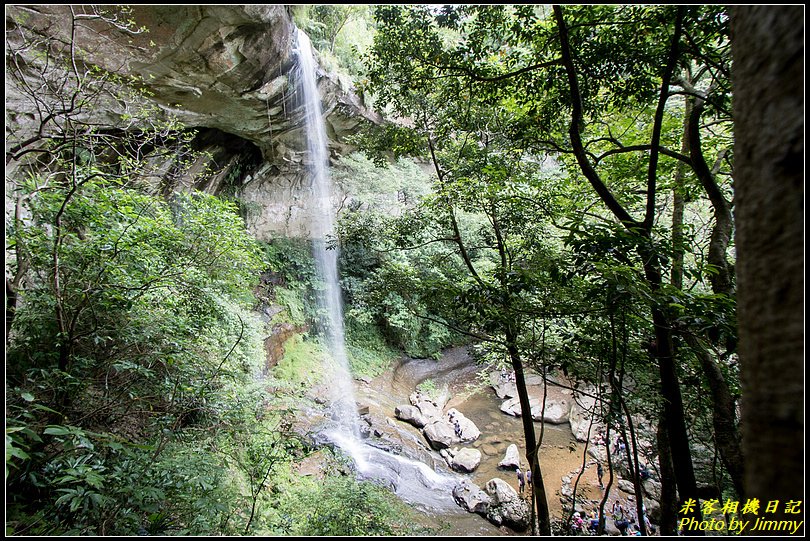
(458, 379)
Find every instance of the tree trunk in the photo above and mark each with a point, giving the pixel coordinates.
(671, 393)
(768, 78)
(668, 523)
(723, 414)
(538, 488)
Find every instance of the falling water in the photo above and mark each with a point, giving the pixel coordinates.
(323, 228)
(411, 479)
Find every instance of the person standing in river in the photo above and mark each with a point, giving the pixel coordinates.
(521, 483)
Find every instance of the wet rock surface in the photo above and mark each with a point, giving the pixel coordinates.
(506, 506)
(560, 455)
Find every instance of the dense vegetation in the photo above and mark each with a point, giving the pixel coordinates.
(596, 143)
(554, 188)
(138, 400)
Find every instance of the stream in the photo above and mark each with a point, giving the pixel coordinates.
(399, 454)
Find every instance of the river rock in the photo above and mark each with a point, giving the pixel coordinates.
(469, 432)
(556, 411)
(610, 527)
(500, 491)
(430, 410)
(470, 497)
(489, 449)
(626, 486)
(511, 459)
(652, 489)
(503, 385)
(440, 435)
(533, 379)
(410, 414)
(579, 416)
(506, 507)
(598, 452)
(466, 460)
(653, 509)
(511, 407)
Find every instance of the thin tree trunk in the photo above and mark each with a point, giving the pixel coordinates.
(674, 417)
(668, 521)
(538, 487)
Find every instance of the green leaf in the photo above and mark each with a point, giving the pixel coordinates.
(57, 430)
(28, 397)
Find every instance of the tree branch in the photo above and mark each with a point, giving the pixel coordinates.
(574, 130)
(652, 172)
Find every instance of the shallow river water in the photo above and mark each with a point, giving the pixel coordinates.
(457, 375)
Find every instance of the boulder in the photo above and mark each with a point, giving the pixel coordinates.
(506, 507)
(430, 410)
(653, 510)
(440, 435)
(504, 387)
(410, 414)
(466, 460)
(511, 407)
(489, 449)
(579, 416)
(469, 432)
(511, 459)
(533, 379)
(556, 412)
(500, 491)
(626, 486)
(598, 452)
(470, 497)
(610, 526)
(651, 489)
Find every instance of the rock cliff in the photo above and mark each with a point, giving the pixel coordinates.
(229, 71)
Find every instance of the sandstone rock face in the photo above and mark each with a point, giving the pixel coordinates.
(229, 69)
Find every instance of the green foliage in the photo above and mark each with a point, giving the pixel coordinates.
(294, 279)
(369, 354)
(340, 33)
(302, 364)
(568, 257)
(131, 330)
(342, 506)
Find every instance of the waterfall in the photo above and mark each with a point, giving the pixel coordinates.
(413, 480)
(330, 305)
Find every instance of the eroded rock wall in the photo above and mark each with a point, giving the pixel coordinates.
(230, 70)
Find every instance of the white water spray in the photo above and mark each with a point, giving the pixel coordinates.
(411, 479)
(330, 304)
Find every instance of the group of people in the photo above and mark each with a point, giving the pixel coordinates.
(524, 479)
(579, 523)
(456, 425)
(625, 521)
